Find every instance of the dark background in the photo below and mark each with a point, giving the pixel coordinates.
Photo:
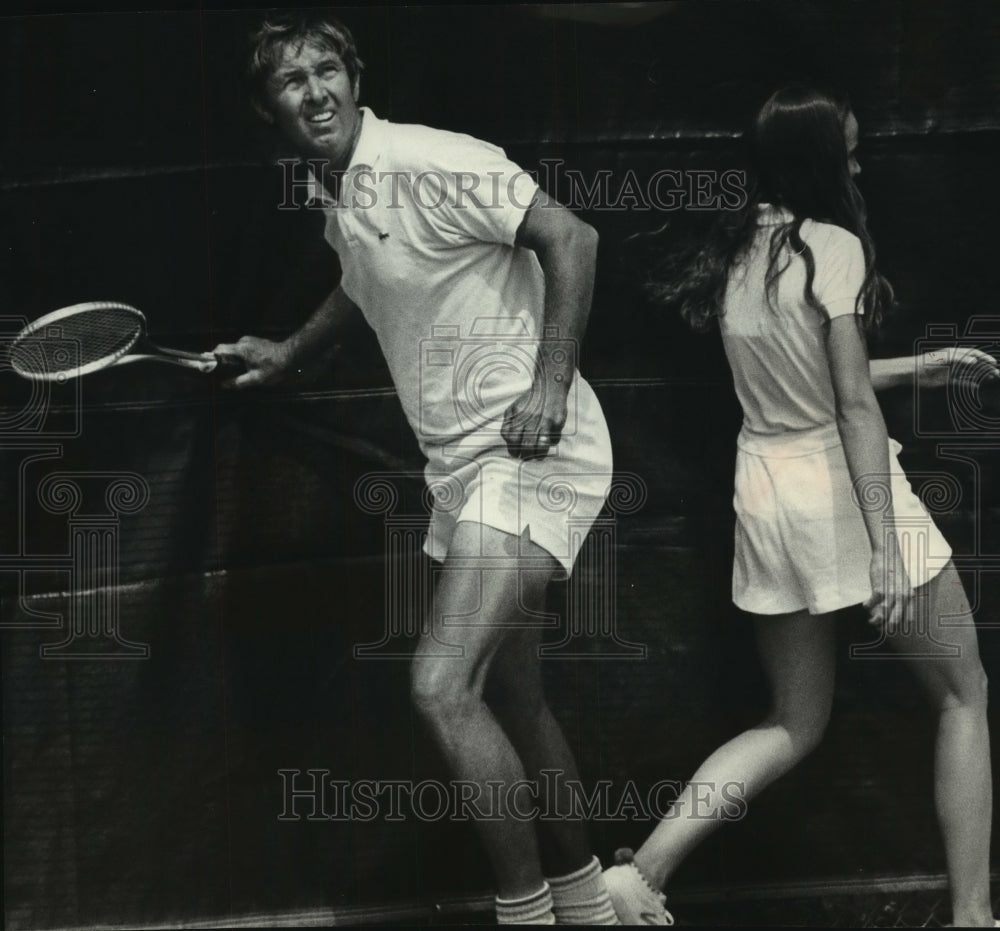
(133, 169)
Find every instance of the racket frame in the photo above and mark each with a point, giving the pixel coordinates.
(199, 361)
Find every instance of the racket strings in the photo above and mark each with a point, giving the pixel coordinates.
(87, 337)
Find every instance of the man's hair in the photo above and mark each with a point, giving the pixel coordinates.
(283, 28)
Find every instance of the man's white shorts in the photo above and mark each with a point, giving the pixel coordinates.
(551, 502)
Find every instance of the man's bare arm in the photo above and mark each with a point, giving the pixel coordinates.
(268, 362)
(566, 248)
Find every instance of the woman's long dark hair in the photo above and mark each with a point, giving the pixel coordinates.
(798, 160)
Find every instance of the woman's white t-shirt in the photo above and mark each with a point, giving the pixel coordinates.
(776, 350)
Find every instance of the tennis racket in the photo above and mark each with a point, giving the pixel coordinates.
(74, 341)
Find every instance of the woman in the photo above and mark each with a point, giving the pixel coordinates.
(791, 280)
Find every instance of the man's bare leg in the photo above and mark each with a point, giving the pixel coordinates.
(518, 700)
(475, 607)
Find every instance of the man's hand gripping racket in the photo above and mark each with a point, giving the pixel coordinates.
(74, 341)
(257, 361)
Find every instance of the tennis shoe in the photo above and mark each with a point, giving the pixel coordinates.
(635, 901)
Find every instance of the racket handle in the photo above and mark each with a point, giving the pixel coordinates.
(229, 366)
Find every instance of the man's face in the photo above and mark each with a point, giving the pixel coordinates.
(311, 101)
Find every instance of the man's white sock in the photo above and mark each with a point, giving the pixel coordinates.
(534, 909)
(581, 898)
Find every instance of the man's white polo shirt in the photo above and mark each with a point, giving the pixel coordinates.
(424, 227)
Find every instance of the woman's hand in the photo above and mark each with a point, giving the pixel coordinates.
(891, 601)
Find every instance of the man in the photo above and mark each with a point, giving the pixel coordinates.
(478, 287)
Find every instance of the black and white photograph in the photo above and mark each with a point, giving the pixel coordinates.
(475, 464)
